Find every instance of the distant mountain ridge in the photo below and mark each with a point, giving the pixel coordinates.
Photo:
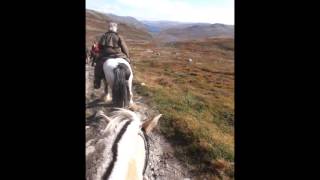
(129, 27)
(195, 31)
(160, 31)
(157, 26)
(168, 31)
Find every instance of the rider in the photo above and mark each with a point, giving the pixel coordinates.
(111, 45)
(94, 52)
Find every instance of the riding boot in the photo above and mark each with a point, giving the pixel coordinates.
(93, 61)
(97, 75)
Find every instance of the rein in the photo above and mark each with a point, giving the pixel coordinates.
(145, 138)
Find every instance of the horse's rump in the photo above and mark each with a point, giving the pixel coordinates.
(120, 88)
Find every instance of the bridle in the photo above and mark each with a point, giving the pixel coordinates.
(145, 138)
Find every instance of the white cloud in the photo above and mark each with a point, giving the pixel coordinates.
(101, 5)
(168, 10)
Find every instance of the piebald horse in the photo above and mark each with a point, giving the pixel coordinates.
(121, 151)
(118, 79)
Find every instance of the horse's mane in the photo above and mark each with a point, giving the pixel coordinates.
(118, 116)
(101, 154)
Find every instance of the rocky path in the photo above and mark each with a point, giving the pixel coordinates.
(162, 163)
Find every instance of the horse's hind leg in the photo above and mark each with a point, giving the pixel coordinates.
(130, 90)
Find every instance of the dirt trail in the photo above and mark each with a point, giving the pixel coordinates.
(162, 163)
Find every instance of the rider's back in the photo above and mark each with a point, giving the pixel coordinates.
(112, 46)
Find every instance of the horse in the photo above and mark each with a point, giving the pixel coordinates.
(121, 151)
(118, 79)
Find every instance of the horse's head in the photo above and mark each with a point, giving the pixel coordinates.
(122, 150)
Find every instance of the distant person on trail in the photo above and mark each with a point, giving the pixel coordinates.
(94, 53)
(111, 45)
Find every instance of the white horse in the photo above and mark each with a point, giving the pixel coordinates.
(121, 151)
(118, 76)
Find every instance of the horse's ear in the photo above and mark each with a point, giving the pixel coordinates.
(100, 114)
(150, 124)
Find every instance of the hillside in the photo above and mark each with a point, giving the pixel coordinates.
(127, 20)
(195, 31)
(158, 26)
(129, 27)
(196, 99)
(159, 31)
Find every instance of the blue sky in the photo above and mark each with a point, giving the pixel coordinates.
(211, 11)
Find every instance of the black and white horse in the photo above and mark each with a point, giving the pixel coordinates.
(118, 76)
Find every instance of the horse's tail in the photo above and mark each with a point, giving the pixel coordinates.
(120, 89)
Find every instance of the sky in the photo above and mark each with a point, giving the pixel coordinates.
(209, 11)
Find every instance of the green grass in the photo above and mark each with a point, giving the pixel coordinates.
(197, 106)
(191, 123)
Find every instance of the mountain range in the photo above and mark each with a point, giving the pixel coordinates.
(160, 31)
